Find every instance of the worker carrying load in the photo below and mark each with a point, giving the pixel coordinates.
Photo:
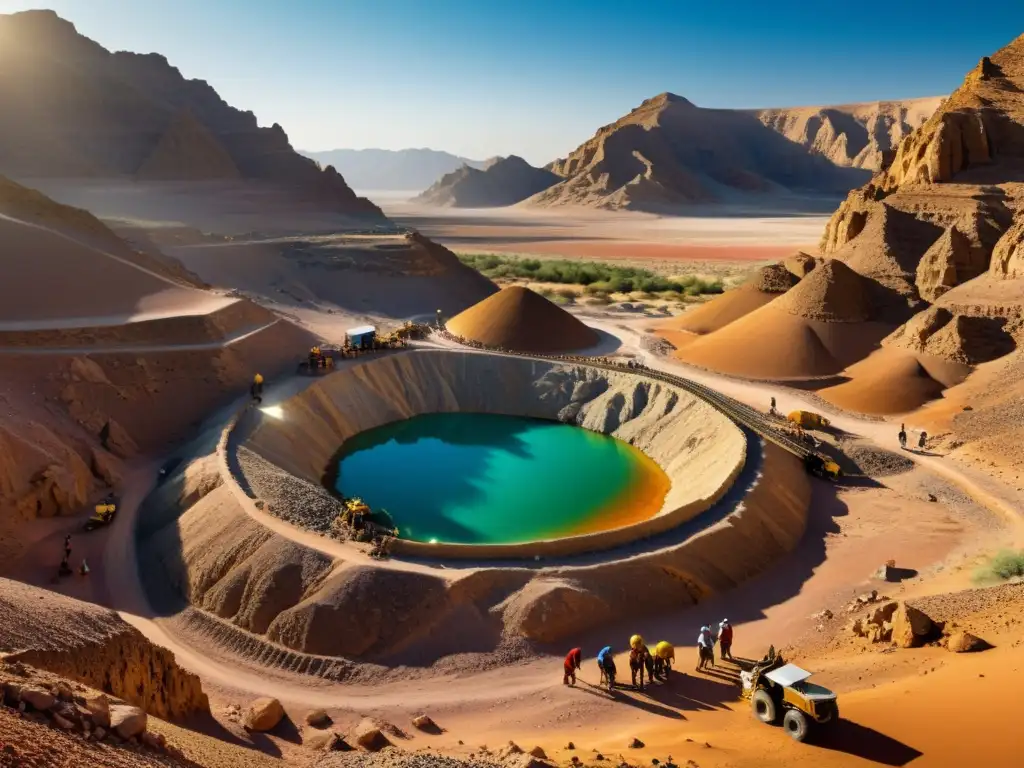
(606, 662)
(573, 660)
(664, 655)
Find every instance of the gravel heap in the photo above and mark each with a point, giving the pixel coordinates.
(874, 462)
(290, 498)
(774, 278)
(830, 293)
(956, 605)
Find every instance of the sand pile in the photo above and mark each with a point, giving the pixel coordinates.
(816, 329)
(517, 318)
(892, 381)
(765, 285)
(188, 151)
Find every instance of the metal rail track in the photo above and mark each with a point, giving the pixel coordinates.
(739, 412)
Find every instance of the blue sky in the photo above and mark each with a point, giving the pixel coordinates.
(537, 77)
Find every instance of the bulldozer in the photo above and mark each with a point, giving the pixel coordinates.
(807, 419)
(822, 466)
(103, 514)
(780, 691)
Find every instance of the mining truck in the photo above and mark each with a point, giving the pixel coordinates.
(781, 692)
(808, 419)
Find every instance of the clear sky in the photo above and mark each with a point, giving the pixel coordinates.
(538, 77)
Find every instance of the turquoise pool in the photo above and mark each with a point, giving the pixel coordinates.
(470, 478)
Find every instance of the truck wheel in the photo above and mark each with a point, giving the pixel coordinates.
(796, 725)
(764, 707)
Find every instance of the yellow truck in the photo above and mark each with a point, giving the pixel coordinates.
(807, 419)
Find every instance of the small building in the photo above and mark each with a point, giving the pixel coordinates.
(361, 337)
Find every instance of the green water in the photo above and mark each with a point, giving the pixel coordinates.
(470, 478)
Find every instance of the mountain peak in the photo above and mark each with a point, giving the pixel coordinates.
(667, 97)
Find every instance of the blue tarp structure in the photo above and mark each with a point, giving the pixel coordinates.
(361, 337)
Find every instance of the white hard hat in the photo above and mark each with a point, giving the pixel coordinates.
(705, 628)
(725, 621)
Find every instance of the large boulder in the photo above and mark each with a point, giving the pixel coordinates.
(263, 714)
(369, 736)
(965, 642)
(910, 627)
(318, 718)
(99, 710)
(37, 698)
(127, 721)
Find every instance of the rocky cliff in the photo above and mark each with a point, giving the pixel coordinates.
(668, 152)
(73, 108)
(504, 181)
(96, 647)
(856, 135)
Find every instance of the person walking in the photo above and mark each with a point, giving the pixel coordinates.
(256, 390)
(725, 639)
(922, 440)
(572, 662)
(771, 410)
(903, 437)
(705, 648)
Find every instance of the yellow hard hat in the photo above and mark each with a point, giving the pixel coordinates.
(636, 641)
(258, 378)
(664, 650)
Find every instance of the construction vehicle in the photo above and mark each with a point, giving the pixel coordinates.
(104, 514)
(780, 691)
(808, 419)
(822, 466)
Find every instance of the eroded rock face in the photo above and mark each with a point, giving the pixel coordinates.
(1008, 254)
(910, 627)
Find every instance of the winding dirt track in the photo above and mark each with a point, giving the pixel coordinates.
(118, 569)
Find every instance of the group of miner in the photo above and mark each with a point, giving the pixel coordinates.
(657, 664)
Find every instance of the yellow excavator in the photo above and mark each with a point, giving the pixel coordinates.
(820, 465)
(104, 513)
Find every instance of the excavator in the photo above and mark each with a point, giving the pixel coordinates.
(820, 465)
(104, 513)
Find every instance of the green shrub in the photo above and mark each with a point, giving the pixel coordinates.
(1004, 566)
(596, 277)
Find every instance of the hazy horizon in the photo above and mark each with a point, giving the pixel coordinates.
(531, 79)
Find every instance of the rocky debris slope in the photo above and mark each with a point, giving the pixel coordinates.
(857, 135)
(504, 182)
(94, 646)
(668, 152)
(73, 108)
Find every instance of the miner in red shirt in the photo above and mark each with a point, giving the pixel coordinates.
(572, 663)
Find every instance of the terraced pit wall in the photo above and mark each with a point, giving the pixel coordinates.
(699, 449)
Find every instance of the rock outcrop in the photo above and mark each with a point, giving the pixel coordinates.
(911, 627)
(85, 111)
(503, 182)
(857, 135)
(95, 646)
(263, 715)
(668, 153)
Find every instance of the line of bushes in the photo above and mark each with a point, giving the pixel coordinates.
(595, 277)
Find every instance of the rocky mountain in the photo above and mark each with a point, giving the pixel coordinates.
(406, 170)
(669, 152)
(71, 108)
(504, 181)
(942, 227)
(854, 135)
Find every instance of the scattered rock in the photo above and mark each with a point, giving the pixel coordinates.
(509, 750)
(910, 627)
(99, 710)
(539, 753)
(635, 743)
(326, 741)
(570, 745)
(965, 642)
(369, 736)
(99, 734)
(824, 615)
(155, 741)
(318, 718)
(38, 698)
(63, 722)
(263, 715)
(883, 613)
(424, 723)
(127, 721)
(64, 692)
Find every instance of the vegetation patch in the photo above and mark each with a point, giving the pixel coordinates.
(1005, 566)
(596, 278)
